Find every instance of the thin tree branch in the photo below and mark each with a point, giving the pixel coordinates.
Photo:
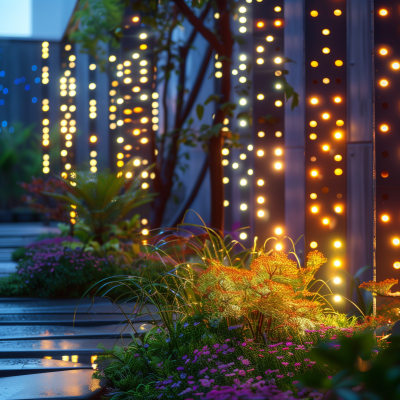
(199, 27)
(192, 195)
(196, 87)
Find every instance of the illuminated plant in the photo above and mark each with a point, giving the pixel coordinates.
(271, 295)
(381, 288)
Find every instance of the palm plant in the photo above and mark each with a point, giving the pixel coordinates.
(101, 200)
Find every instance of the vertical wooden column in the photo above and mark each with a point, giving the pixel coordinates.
(387, 143)
(326, 133)
(268, 119)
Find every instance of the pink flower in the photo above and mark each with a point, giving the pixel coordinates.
(242, 373)
(244, 344)
(285, 364)
(246, 362)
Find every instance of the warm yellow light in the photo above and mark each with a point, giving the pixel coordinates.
(326, 81)
(395, 65)
(314, 64)
(269, 38)
(314, 209)
(314, 13)
(338, 135)
(235, 165)
(396, 264)
(144, 140)
(325, 221)
(260, 49)
(384, 128)
(385, 218)
(337, 298)
(145, 232)
(260, 200)
(218, 74)
(338, 63)
(313, 136)
(325, 147)
(144, 120)
(314, 173)
(243, 156)
(325, 116)
(313, 124)
(278, 152)
(278, 134)
(225, 152)
(260, 153)
(260, 213)
(243, 207)
(93, 139)
(383, 12)
(337, 263)
(225, 180)
(260, 24)
(279, 231)
(338, 209)
(260, 182)
(326, 31)
(250, 172)
(278, 23)
(278, 103)
(260, 61)
(396, 241)
(313, 245)
(383, 52)
(243, 182)
(136, 132)
(326, 50)
(338, 244)
(243, 236)
(278, 60)
(383, 82)
(128, 175)
(278, 165)
(314, 100)
(337, 12)
(338, 171)
(278, 247)
(313, 196)
(135, 19)
(277, 9)
(338, 157)
(260, 97)
(337, 280)
(337, 99)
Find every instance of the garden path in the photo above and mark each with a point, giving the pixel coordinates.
(44, 354)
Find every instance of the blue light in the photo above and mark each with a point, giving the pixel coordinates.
(37, 80)
(5, 90)
(22, 80)
(1, 88)
(16, 81)
(2, 73)
(1, 102)
(27, 87)
(11, 130)
(34, 67)
(34, 99)
(4, 124)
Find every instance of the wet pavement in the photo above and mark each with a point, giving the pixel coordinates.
(48, 348)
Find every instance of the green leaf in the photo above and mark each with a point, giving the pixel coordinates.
(212, 97)
(200, 111)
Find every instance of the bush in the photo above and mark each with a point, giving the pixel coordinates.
(59, 268)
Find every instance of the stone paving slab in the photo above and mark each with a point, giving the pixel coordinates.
(26, 366)
(26, 229)
(65, 385)
(7, 268)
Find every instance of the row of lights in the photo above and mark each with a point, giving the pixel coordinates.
(45, 110)
(384, 52)
(92, 119)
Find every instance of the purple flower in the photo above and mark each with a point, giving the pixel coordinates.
(246, 362)
(196, 323)
(180, 369)
(285, 364)
(185, 325)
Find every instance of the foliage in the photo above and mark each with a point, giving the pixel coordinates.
(364, 372)
(41, 203)
(389, 312)
(59, 268)
(96, 23)
(20, 158)
(271, 294)
(380, 288)
(196, 357)
(98, 203)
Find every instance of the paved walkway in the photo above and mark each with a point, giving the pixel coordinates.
(17, 235)
(43, 355)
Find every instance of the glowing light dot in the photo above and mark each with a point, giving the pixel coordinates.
(325, 221)
(314, 64)
(337, 244)
(278, 165)
(314, 13)
(326, 50)
(243, 207)
(260, 49)
(338, 171)
(326, 32)
(260, 200)
(145, 232)
(260, 213)
(260, 24)
(326, 81)
(338, 209)
(235, 165)
(337, 298)
(278, 152)
(278, 60)
(314, 173)
(243, 182)
(337, 263)
(278, 23)
(260, 182)
(225, 152)
(338, 63)
(243, 236)
(383, 52)
(337, 280)
(313, 124)
(338, 135)
(278, 247)
(385, 218)
(313, 136)
(225, 180)
(383, 82)
(396, 265)
(395, 65)
(337, 12)
(279, 231)
(226, 203)
(260, 153)
(337, 100)
(325, 116)
(383, 12)
(313, 245)
(314, 209)
(269, 38)
(325, 147)
(313, 196)
(278, 103)
(260, 97)
(396, 241)
(314, 100)
(277, 9)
